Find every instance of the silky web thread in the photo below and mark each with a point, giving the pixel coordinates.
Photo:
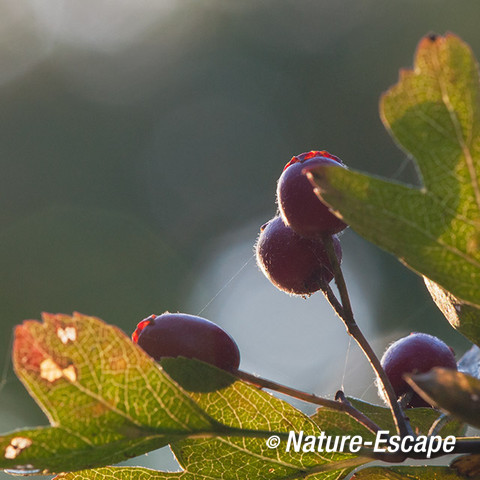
(227, 284)
(8, 359)
(408, 160)
(362, 396)
(347, 354)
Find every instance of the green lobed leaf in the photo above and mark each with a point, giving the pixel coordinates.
(241, 405)
(454, 392)
(407, 473)
(433, 113)
(132, 473)
(105, 398)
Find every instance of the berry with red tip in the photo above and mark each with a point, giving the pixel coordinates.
(180, 334)
(300, 207)
(416, 353)
(294, 264)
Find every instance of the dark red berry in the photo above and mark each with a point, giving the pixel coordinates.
(180, 334)
(300, 207)
(294, 264)
(416, 353)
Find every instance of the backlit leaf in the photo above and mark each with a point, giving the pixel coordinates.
(105, 398)
(244, 406)
(433, 113)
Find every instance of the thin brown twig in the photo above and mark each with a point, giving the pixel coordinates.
(345, 312)
(344, 407)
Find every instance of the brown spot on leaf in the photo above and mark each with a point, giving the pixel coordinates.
(70, 373)
(67, 334)
(50, 371)
(26, 351)
(16, 446)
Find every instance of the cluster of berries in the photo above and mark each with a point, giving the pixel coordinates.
(295, 262)
(291, 247)
(291, 252)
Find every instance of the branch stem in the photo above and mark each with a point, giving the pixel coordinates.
(344, 311)
(341, 406)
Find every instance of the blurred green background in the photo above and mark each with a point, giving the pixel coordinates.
(140, 145)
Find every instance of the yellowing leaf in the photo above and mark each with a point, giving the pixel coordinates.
(105, 398)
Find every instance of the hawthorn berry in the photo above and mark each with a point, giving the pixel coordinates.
(180, 334)
(294, 264)
(416, 353)
(299, 206)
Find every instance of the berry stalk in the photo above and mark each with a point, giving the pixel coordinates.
(345, 312)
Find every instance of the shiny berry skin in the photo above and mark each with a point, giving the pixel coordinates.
(416, 353)
(299, 207)
(294, 264)
(183, 335)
